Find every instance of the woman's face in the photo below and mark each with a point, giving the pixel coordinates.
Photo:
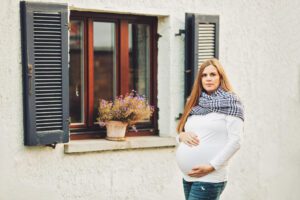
(210, 79)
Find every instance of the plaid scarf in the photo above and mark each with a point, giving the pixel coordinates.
(219, 101)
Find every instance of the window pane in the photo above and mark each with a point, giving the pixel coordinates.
(104, 62)
(76, 72)
(139, 62)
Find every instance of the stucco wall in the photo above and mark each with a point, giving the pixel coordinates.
(259, 48)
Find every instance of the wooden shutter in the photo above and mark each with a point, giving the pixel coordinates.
(45, 70)
(201, 43)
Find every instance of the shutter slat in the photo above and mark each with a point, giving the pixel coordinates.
(45, 48)
(48, 53)
(45, 120)
(47, 28)
(53, 77)
(48, 56)
(48, 128)
(211, 50)
(48, 83)
(41, 91)
(47, 98)
(48, 65)
(48, 116)
(52, 39)
(50, 25)
(49, 73)
(53, 44)
(49, 102)
(49, 112)
(43, 32)
(40, 106)
(53, 80)
(47, 109)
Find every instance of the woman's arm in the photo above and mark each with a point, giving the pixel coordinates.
(235, 127)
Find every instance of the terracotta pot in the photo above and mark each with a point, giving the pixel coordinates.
(116, 130)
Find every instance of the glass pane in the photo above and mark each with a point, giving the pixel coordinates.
(139, 62)
(76, 76)
(104, 62)
(139, 58)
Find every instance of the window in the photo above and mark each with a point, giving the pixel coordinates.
(109, 55)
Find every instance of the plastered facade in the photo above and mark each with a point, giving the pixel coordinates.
(259, 48)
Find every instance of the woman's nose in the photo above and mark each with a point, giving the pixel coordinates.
(208, 78)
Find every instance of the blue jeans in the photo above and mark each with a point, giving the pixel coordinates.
(203, 190)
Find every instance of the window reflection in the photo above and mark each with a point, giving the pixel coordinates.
(139, 58)
(104, 62)
(76, 72)
(139, 62)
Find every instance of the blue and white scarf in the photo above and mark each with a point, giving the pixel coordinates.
(219, 101)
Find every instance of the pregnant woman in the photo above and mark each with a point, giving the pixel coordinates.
(209, 133)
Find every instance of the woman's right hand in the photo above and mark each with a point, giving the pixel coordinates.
(189, 138)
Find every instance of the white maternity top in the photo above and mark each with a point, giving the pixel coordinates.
(219, 136)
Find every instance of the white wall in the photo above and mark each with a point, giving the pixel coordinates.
(259, 48)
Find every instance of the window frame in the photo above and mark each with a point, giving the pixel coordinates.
(89, 130)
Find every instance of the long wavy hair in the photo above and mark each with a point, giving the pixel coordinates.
(192, 100)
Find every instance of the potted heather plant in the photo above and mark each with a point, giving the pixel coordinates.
(124, 111)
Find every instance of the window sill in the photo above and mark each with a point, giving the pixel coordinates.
(102, 145)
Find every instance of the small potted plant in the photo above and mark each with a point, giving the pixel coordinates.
(124, 111)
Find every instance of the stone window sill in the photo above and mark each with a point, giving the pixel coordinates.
(102, 145)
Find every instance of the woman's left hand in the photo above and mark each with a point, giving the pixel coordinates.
(201, 170)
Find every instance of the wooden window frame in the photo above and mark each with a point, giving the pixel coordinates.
(88, 129)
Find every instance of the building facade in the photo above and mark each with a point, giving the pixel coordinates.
(100, 49)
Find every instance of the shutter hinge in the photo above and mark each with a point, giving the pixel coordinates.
(68, 25)
(180, 32)
(179, 116)
(158, 36)
(52, 145)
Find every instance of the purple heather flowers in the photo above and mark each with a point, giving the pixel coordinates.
(130, 108)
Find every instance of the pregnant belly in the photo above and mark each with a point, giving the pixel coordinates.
(189, 157)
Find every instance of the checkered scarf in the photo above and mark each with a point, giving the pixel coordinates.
(219, 101)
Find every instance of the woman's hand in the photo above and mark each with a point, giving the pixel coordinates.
(189, 138)
(201, 170)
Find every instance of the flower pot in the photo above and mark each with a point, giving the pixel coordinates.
(116, 130)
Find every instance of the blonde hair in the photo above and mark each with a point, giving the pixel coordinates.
(192, 100)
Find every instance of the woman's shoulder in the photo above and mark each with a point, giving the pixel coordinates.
(233, 118)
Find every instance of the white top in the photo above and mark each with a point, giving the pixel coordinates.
(219, 136)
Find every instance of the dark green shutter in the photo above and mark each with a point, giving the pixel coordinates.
(45, 73)
(201, 43)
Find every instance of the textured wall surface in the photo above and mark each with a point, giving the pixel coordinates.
(259, 48)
